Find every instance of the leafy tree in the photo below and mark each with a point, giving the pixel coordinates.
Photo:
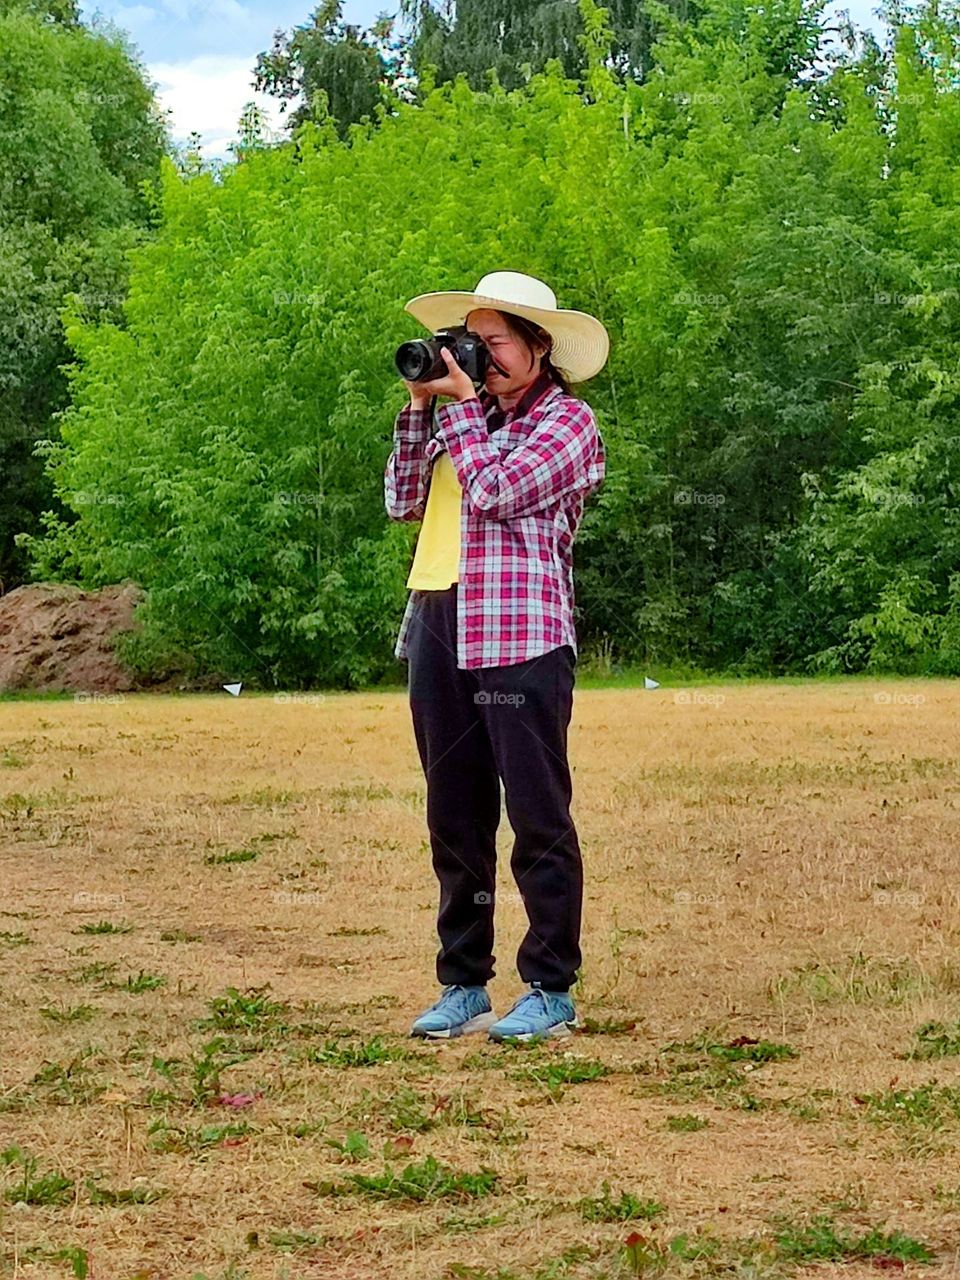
(63, 12)
(769, 242)
(79, 137)
(472, 36)
(327, 59)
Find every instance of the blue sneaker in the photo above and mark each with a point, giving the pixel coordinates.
(459, 1011)
(536, 1015)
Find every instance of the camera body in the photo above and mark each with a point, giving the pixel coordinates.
(421, 360)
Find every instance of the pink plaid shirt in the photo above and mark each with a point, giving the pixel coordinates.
(525, 477)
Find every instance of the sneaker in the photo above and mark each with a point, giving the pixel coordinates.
(536, 1015)
(459, 1011)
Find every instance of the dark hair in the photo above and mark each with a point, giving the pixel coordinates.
(528, 332)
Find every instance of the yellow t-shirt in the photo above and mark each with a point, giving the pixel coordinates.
(436, 561)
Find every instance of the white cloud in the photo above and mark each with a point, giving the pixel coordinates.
(134, 16)
(207, 95)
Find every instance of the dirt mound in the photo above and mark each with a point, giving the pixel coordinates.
(57, 637)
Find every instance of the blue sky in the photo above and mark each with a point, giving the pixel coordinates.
(200, 53)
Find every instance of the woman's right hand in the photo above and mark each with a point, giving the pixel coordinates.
(418, 400)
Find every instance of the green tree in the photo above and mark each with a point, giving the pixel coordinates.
(79, 138)
(769, 241)
(473, 36)
(331, 61)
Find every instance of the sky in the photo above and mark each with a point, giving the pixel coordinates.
(200, 54)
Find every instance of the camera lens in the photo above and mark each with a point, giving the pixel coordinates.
(414, 359)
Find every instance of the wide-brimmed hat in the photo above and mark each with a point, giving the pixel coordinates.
(580, 342)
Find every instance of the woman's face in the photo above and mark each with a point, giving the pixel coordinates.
(521, 365)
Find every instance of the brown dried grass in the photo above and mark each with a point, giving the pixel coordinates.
(766, 860)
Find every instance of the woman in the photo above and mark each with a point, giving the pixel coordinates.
(489, 636)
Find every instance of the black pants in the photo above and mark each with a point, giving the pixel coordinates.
(474, 727)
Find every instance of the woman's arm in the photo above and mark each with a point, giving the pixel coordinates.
(404, 477)
(563, 454)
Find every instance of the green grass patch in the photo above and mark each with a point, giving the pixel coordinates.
(406, 1110)
(195, 1139)
(936, 1040)
(249, 1010)
(857, 980)
(69, 1084)
(98, 972)
(15, 939)
(234, 855)
(821, 1240)
(32, 1187)
(687, 1123)
(742, 1049)
(117, 1197)
(931, 1105)
(103, 926)
(721, 1083)
(141, 982)
(556, 1072)
(369, 1053)
(355, 1146)
(67, 1013)
(423, 1180)
(605, 1027)
(291, 1241)
(604, 1208)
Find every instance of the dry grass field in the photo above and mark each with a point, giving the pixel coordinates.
(218, 921)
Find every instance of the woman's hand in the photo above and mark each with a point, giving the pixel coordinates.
(417, 399)
(456, 384)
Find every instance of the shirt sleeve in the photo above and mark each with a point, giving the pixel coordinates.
(404, 477)
(562, 455)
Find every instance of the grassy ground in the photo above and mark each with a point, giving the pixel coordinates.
(218, 921)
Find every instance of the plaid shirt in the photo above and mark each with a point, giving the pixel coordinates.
(525, 476)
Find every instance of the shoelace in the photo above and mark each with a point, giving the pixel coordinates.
(452, 991)
(528, 995)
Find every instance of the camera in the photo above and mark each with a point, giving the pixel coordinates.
(421, 359)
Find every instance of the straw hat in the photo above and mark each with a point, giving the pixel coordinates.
(580, 342)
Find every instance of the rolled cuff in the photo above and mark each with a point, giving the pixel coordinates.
(412, 424)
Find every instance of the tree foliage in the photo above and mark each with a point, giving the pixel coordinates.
(516, 37)
(329, 67)
(770, 242)
(79, 136)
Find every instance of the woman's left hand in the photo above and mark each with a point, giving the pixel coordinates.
(456, 383)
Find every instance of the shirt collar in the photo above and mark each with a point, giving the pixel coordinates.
(495, 415)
